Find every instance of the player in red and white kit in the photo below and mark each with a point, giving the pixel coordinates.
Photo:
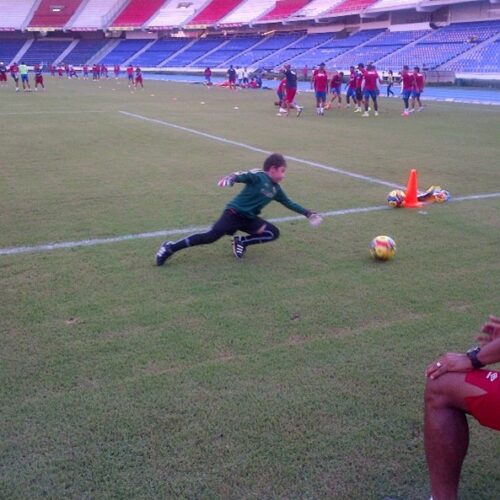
(138, 78)
(336, 89)
(130, 75)
(3, 74)
(14, 73)
(291, 90)
(407, 84)
(359, 87)
(418, 88)
(320, 84)
(38, 77)
(351, 87)
(281, 94)
(371, 80)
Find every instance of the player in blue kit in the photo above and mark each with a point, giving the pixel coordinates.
(242, 212)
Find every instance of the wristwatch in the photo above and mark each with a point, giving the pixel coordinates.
(472, 355)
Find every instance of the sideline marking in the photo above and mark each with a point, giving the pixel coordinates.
(372, 180)
(15, 113)
(175, 232)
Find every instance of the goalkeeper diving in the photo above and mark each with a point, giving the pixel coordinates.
(242, 212)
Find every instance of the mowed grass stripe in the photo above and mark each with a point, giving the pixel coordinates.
(372, 180)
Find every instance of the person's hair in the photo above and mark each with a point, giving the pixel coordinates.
(416, 68)
(406, 66)
(274, 160)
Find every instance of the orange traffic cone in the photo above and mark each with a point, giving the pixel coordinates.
(411, 200)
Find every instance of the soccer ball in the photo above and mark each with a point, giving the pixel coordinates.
(441, 196)
(396, 198)
(382, 248)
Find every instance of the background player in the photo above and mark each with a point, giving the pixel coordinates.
(351, 87)
(25, 79)
(38, 76)
(14, 73)
(407, 84)
(291, 90)
(371, 81)
(418, 88)
(320, 84)
(3, 74)
(336, 89)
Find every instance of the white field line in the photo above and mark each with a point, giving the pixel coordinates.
(372, 180)
(15, 113)
(190, 230)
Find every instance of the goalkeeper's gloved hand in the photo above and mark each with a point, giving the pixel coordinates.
(314, 218)
(227, 180)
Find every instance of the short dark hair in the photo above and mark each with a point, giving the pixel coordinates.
(274, 160)
(417, 68)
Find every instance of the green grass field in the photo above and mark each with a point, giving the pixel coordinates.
(296, 372)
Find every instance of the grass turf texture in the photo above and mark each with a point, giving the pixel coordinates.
(297, 372)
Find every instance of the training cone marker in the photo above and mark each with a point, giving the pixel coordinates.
(411, 200)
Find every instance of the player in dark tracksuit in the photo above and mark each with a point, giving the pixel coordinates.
(242, 213)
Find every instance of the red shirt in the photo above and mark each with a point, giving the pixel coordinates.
(419, 81)
(336, 82)
(320, 79)
(408, 80)
(371, 79)
(359, 80)
(352, 80)
(281, 86)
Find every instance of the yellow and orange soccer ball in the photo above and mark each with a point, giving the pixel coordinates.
(383, 248)
(396, 198)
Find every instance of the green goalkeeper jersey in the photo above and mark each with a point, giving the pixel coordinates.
(260, 190)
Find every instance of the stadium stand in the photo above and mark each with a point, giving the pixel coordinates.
(84, 51)
(482, 59)
(441, 45)
(195, 51)
(322, 52)
(136, 13)
(302, 45)
(14, 16)
(332, 49)
(160, 51)
(268, 46)
(282, 10)
(246, 12)
(175, 13)
(51, 14)
(227, 51)
(377, 47)
(9, 49)
(96, 15)
(123, 51)
(213, 12)
(45, 51)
